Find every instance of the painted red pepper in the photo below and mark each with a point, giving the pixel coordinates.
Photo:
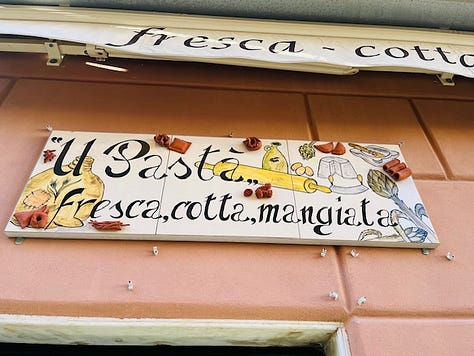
(402, 174)
(253, 143)
(248, 192)
(163, 140)
(391, 163)
(49, 155)
(39, 219)
(108, 225)
(264, 191)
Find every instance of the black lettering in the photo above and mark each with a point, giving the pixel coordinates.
(65, 202)
(226, 44)
(97, 207)
(236, 215)
(225, 173)
(122, 147)
(389, 52)
(60, 161)
(224, 200)
(153, 169)
(271, 213)
(323, 223)
(81, 203)
(462, 59)
(243, 45)
(358, 51)
(194, 41)
(290, 47)
(202, 162)
(162, 37)
(420, 53)
(175, 208)
(135, 38)
(290, 214)
(209, 199)
(189, 210)
(443, 54)
(187, 171)
(338, 215)
(118, 207)
(151, 212)
(363, 204)
(350, 218)
(128, 211)
(307, 215)
(384, 219)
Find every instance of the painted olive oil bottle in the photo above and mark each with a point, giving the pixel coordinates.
(69, 198)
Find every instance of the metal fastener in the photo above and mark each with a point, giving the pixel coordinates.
(450, 256)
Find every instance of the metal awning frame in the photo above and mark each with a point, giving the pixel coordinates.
(57, 49)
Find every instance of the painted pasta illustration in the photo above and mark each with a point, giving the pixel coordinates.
(67, 199)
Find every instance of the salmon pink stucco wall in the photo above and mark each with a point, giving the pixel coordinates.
(416, 304)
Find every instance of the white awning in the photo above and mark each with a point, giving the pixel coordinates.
(323, 48)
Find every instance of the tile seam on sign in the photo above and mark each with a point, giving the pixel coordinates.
(432, 141)
(313, 128)
(344, 280)
(169, 85)
(401, 318)
(359, 312)
(5, 92)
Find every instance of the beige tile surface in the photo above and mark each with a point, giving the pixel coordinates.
(74, 277)
(408, 85)
(4, 88)
(143, 108)
(451, 125)
(416, 304)
(376, 120)
(400, 282)
(186, 280)
(410, 337)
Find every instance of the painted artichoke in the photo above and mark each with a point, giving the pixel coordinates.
(382, 184)
(307, 150)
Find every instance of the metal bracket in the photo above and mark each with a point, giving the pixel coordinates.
(446, 79)
(54, 54)
(98, 53)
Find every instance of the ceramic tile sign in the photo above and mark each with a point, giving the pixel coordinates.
(91, 185)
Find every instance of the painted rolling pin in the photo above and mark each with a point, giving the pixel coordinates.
(240, 172)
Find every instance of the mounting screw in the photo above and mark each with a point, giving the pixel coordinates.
(361, 300)
(449, 256)
(333, 295)
(19, 240)
(324, 252)
(354, 253)
(155, 250)
(130, 285)
(425, 251)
